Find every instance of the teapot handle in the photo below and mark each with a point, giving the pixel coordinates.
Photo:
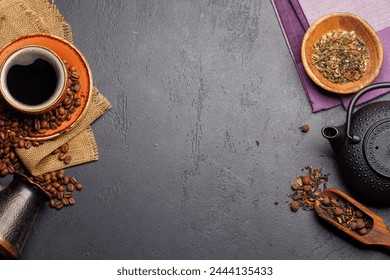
(355, 138)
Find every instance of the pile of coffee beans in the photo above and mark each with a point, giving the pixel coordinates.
(345, 214)
(59, 188)
(17, 129)
(63, 153)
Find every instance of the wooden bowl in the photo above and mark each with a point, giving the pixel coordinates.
(347, 22)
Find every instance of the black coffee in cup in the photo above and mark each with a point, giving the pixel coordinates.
(33, 80)
(32, 84)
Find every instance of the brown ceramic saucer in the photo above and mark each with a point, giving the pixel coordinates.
(73, 56)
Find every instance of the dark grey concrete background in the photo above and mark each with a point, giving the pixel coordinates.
(193, 85)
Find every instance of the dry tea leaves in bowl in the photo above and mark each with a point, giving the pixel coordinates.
(341, 56)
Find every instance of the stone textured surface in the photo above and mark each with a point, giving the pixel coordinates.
(198, 151)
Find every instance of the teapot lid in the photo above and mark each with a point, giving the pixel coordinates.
(376, 147)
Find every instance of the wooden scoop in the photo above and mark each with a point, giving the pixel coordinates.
(379, 235)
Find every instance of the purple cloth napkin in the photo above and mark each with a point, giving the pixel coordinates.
(294, 25)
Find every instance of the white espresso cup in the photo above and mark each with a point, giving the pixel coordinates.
(33, 80)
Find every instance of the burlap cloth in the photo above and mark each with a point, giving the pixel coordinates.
(26, 17)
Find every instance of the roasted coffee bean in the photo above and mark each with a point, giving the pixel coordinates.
(59, 205)
(61, 189)
(58, 122)
(35, 143)
(79, 186)
(65, 148)
(67, 159)
(77, 102)
(18, 167)
(3, 166)
(72, 180)
(60, 195)
(61, 156)
(56, 151)
(52, 203)
(47, 177)
(67, 100)
(3, 135)
(12, 155)
(11, 169)
(44, 124)
(53, 125)
(65, 180)
(76, 87)
(46, 184)
(37, 125)
(67, 194)
(56, 185)
(71, 201)
(70, 187)
(6, 150)
(27, 144)
(4, 172)
(21, 143)
(74, 76)
(65, 201)
(61, 111)
(13, 139)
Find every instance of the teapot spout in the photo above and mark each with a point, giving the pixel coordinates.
(335, 135)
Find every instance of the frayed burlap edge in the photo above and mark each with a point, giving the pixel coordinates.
(83, 148)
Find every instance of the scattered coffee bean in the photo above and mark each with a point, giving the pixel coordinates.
(71, 201)
(65, 201)
(67, 159)
(59, 205)
(65, 148)
(79, 186)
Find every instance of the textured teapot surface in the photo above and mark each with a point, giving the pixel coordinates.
(365, 166)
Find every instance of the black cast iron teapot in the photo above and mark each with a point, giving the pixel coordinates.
(362, 147)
